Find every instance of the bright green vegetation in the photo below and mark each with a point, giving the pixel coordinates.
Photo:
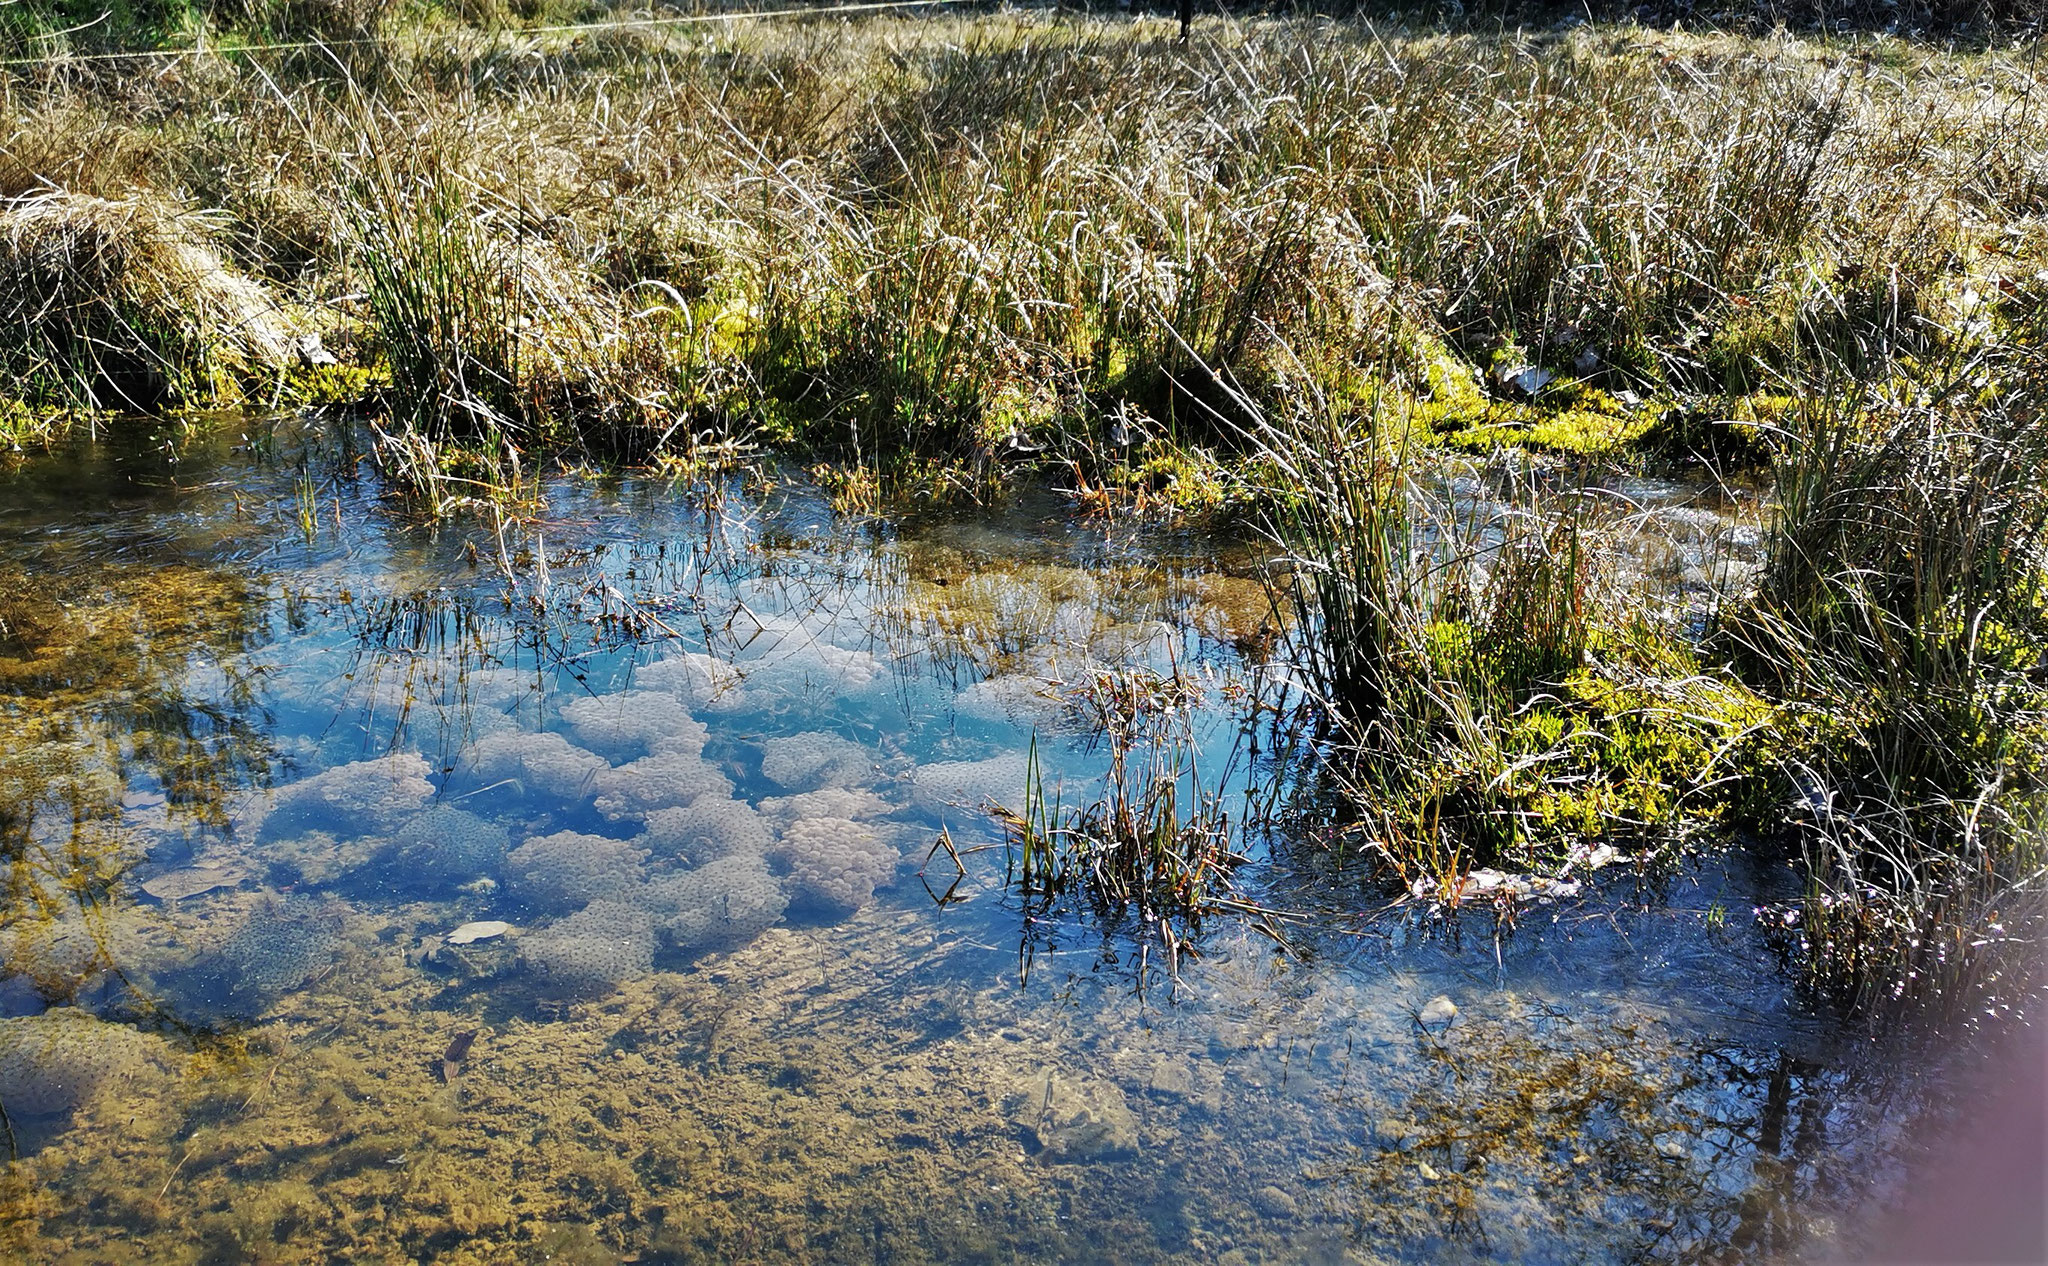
(1490, 699)
(1486, 698)
(1289, 268)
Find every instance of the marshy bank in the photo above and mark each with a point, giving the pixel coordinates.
(1336, 639)
(945, 248)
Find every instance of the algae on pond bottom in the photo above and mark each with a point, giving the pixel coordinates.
(880, 1088)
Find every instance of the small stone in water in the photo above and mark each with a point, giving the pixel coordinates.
(482, 931)
(190, 882)
(1275, 1203)
(1439, 1010)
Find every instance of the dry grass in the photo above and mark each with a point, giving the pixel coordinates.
(966, 239)
(125, 304)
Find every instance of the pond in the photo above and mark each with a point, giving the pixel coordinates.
(391, 890)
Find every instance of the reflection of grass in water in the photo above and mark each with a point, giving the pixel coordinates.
(100, 660)
(94, 697)
(415, 662)
(1598, 1136)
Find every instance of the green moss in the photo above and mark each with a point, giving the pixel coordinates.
(1567, 417)
(1751, 343)
(722, 327)
(1577, 432)
(331, 384)
(1650, 755)
(24, 425)
(1175, 479)
(1638, 743)
(1114, 362)
(1452, 396)
(1019, 410)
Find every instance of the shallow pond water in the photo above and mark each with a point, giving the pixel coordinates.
(368, 905)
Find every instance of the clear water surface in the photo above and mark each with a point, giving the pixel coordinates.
(367, 905)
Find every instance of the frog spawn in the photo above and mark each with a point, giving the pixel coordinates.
(634, 837)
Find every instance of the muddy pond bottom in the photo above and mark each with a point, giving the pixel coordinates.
(566, 890)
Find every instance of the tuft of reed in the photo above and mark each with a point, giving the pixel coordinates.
(1156, 841)
(124, 304)
(306, 494)
(1420, 631)
(1478, 694)
(1903, 614)
(496, 344)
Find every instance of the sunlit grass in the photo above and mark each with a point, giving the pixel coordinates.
(1002, 241)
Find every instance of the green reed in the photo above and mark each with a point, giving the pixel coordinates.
(1903, 615)
(1155, 840)
(499, 346)
(1420, 633)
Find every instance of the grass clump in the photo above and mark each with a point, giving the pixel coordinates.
(1156, 842)
(1880, 702)
(125, 304)
(495, 342)
(1478, 697)
(1904, 610)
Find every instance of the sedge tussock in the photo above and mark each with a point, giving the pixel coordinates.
(125, 304)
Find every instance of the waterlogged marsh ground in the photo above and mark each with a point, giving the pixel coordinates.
(732, 1021)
